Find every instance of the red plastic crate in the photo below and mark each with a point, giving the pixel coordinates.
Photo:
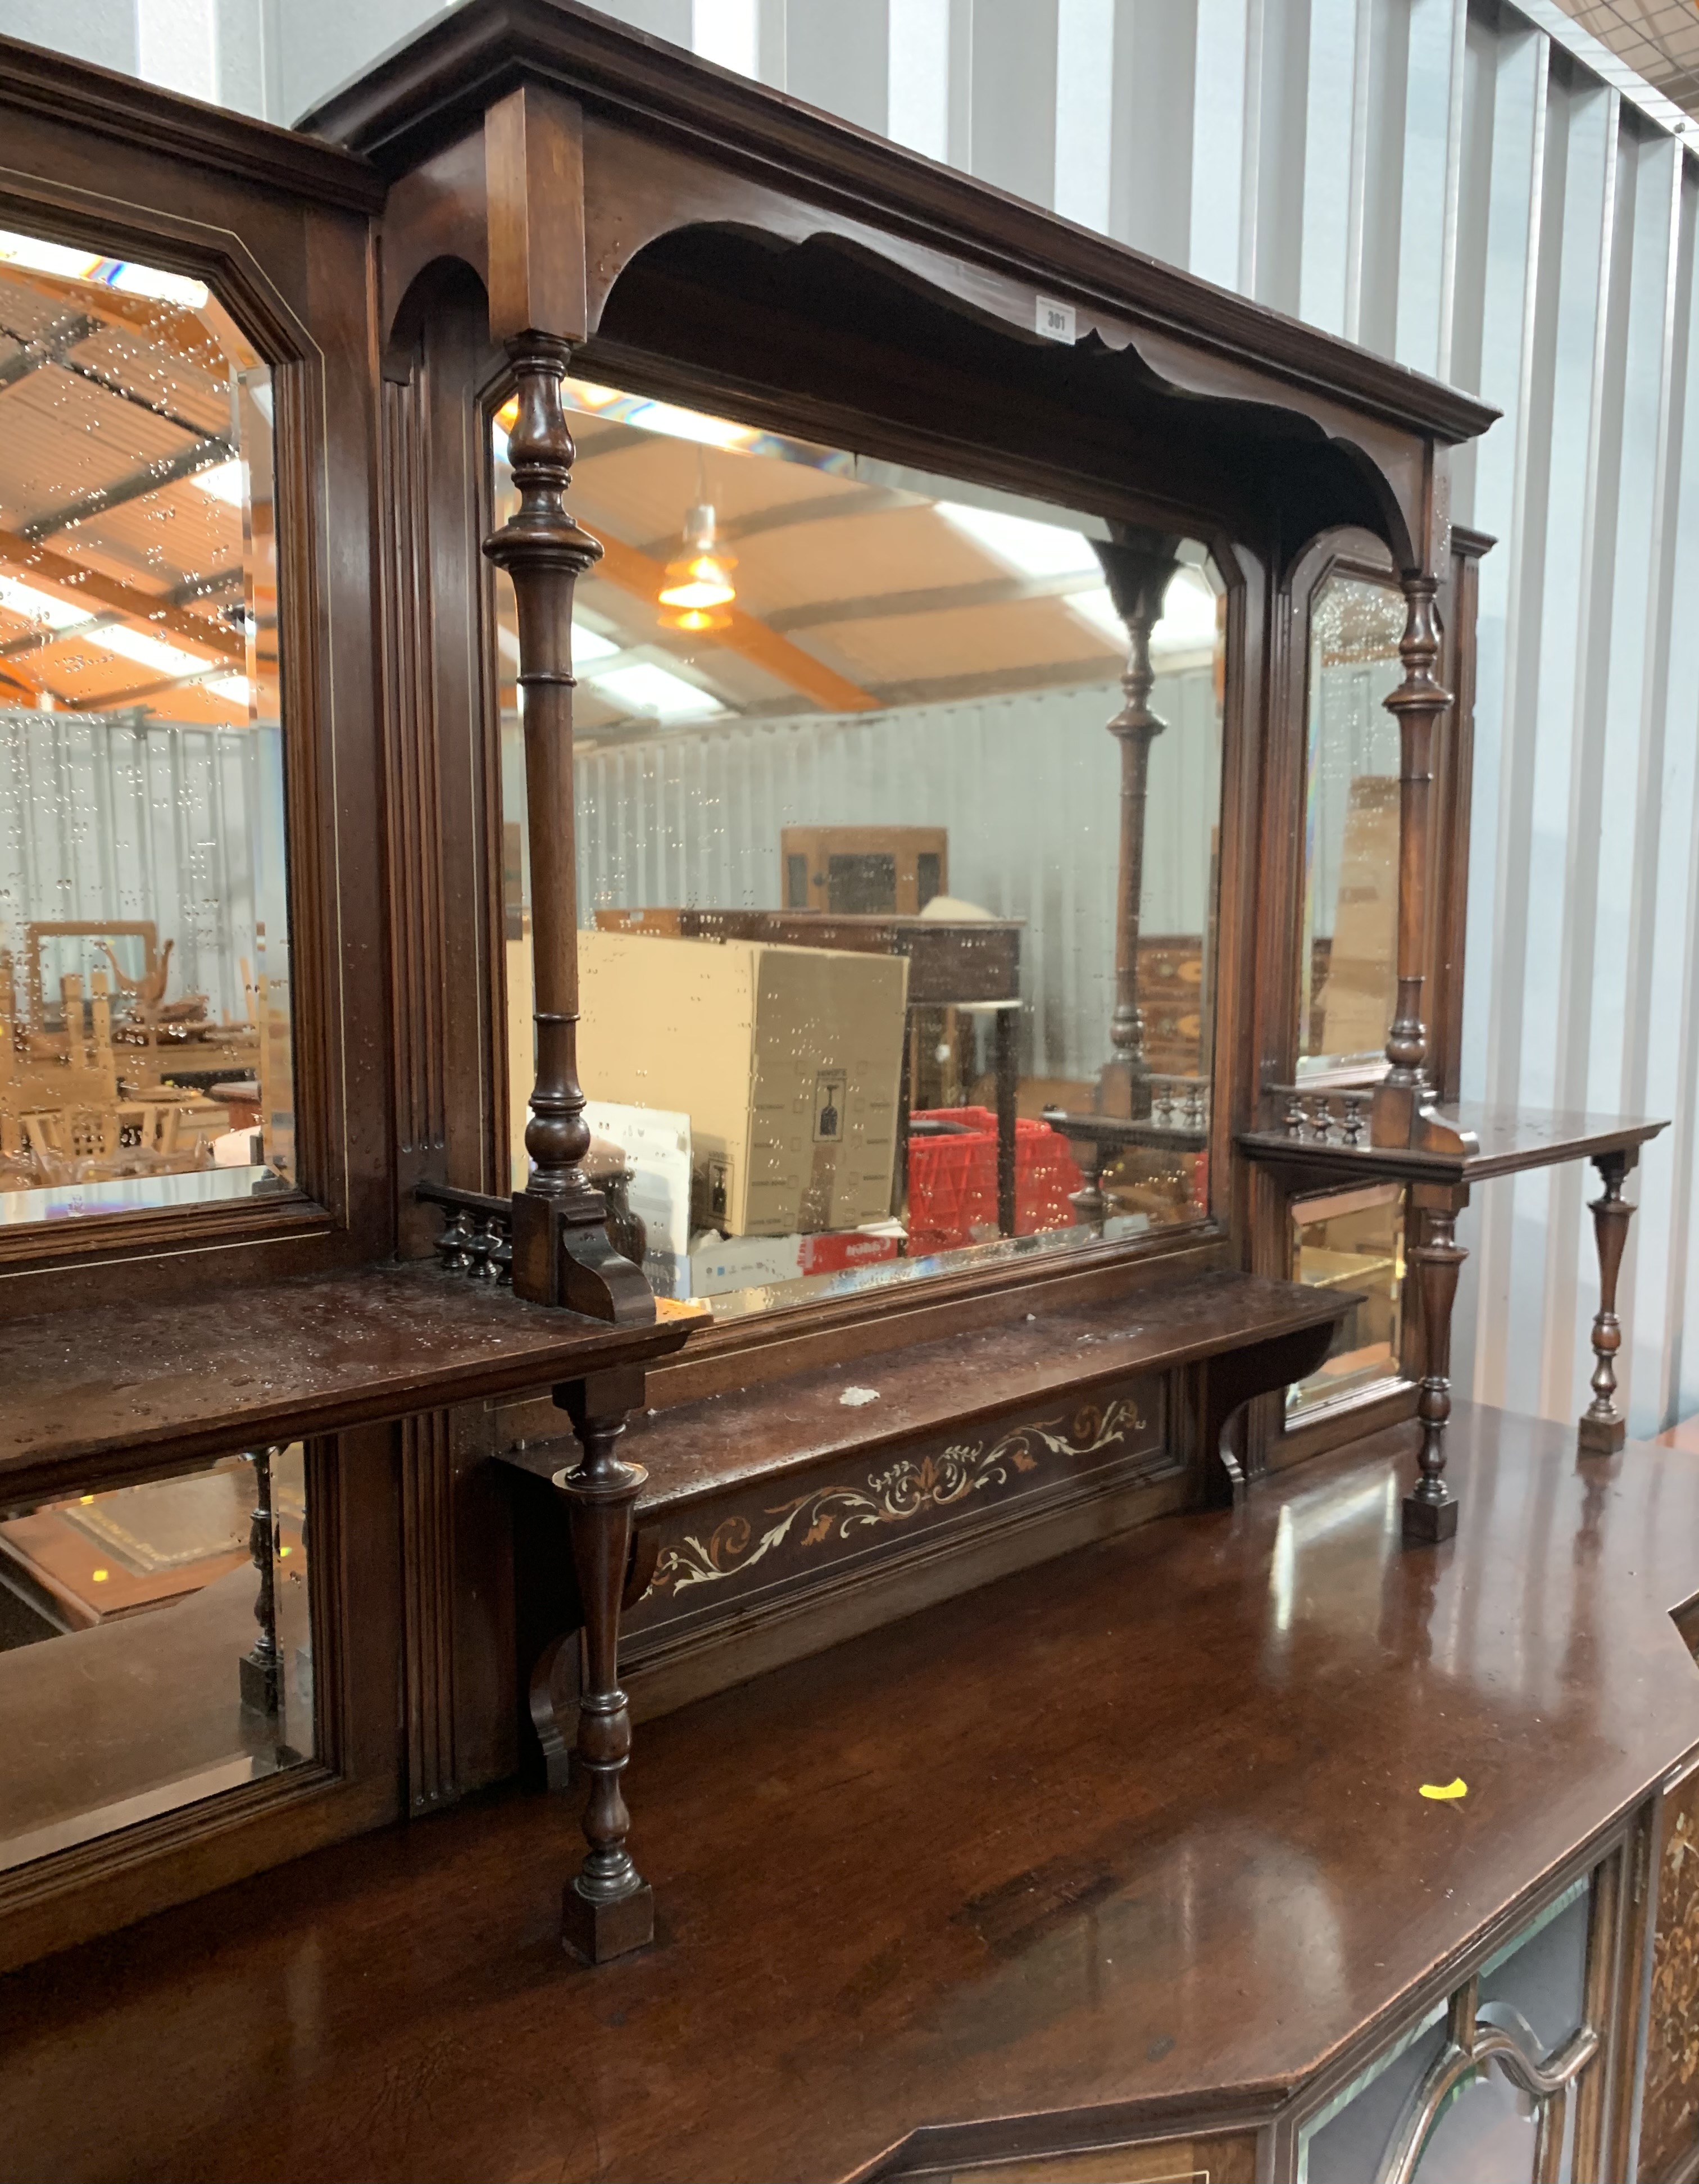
(953, 1181)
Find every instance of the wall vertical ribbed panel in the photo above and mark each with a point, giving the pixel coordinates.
(116, 816)
(1479, 189)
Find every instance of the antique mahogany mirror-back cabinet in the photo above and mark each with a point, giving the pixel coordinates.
(731, 881)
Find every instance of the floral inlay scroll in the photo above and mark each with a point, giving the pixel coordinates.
(1669, 2125)
(903, 1490)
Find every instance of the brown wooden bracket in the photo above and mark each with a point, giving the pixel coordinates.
(1603, 1428)
(608, 1908)
(1236, 1378)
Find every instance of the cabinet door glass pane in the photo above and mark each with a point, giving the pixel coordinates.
(1488, 2129)
(155, 1648)
(144, 961)
(861, 989)
(1347, 970)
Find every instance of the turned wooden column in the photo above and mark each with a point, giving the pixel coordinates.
(1137, 566)
(1418, 703)
(260, 1669)
(1603, 1429)
(608, 1908)
(560, 1251)
(1430, 1508)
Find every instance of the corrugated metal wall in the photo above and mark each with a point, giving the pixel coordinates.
(694, 817)
(1480, 190)
(104, 818)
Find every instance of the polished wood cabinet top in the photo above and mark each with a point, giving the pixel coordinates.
(1118, 1830)
(314, 1355)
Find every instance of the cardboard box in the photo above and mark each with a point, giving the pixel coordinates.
(786, 1060)
(656, 1145)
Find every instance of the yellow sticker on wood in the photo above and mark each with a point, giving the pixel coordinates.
(1455, 1788)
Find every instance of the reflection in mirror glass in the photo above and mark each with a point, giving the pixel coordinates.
(1352, 1241)
(155, 1648)
(874, 983)
(144, 967)
(1348, 962)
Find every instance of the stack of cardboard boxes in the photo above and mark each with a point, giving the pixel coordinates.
(773, 1074)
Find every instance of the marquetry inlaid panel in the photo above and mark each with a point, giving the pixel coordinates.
(746, 1546)
(1669, 2122)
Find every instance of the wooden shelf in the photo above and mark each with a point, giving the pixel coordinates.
(1509, 1140)
(118, 1392)
(699, 1451)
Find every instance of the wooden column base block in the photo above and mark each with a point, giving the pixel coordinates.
(260, 1684)
(1597, 1436)
(561, 1256)
(595, 1930)
(1427, 1523)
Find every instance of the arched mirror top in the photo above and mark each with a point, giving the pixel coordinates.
(565, 159)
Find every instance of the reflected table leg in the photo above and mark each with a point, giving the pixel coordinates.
(1007, 1026)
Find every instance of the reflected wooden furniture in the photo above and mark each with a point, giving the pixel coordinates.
(858, 871)
(1172, 997)
(42, 930)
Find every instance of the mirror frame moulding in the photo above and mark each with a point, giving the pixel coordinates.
(326, 1219)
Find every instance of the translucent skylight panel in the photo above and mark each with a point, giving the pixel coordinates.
(590, 644)
(148, 651)
(37, 256)
(41, 608)
(643, 688)
(1187, 623)
(225, 482)
(1029, 549)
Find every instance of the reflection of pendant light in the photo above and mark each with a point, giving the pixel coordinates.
(697, 587)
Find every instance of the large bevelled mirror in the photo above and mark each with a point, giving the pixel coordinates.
(874, 981)
(145, 1048)
(1347, 964)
